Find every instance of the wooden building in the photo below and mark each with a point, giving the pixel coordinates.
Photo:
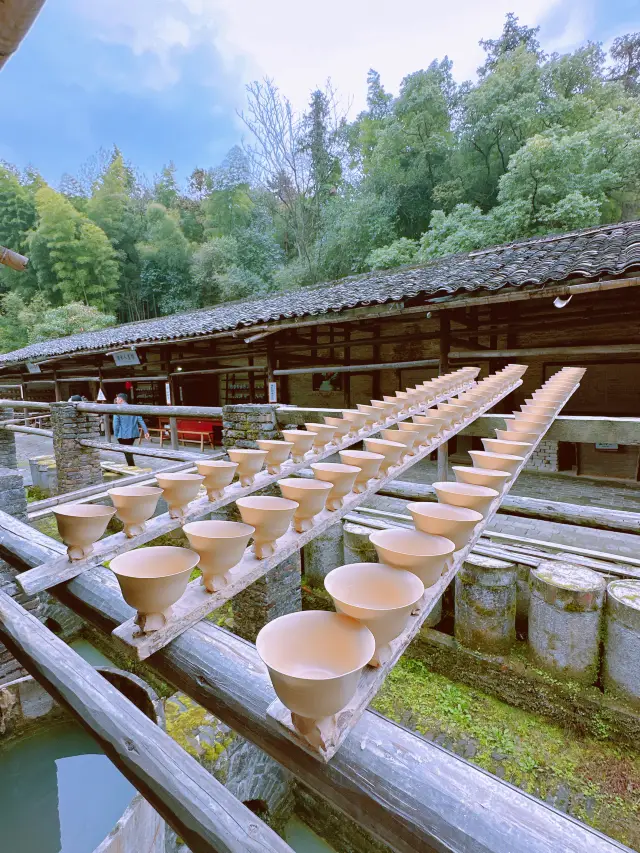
(567, 299)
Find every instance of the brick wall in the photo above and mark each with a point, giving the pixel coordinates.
(242, 425)
(544, 457)
(76, 466)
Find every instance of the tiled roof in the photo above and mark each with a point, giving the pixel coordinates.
(592, 253)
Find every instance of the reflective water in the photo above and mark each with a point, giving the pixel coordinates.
(90, 653)
(58, 793)
(304, 840)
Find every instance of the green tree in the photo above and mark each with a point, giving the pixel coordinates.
(66, 320)
(72, 257)
(402, 251)
(513, 37)
(625, 52)
(165, 188)
(120, 216)
(165, 279)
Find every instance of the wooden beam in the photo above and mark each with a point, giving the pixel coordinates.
(219, 371)
(27, 429)
(601, 518)
(571, 353)
(198, 807)
(157, 411)
(408, 792)
(584, 429)
(357, 368)
(179, 455)
(7, 257)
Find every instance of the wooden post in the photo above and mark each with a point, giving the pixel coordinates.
(346, 388)
(57, 388)
(443, 367)
(375, 383)
(173, 429)
(252, 382)
(271, 366)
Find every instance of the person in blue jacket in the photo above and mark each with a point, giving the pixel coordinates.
(126, 427)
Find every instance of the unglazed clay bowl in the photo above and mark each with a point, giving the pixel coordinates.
(302, 441)
(311, 497)
(538, 411)
(315, 660)
(179, 490)
(437, 425)
(454, 522)
(516, 448)
(152, 580)
(356, 419)
(387, 408)
(372, 414)
(368, 463)
(134, 505)
(406, 400)
(391, 450)
(496, 461)
(218, 474)
(405, 437)
(521, 425)
(481, 476)
(270, 517)
(424, 432)
(459, 411)
(341, 426)
(512, 435)
(379, 597)
(447, 416)
(479, 498)
(250, 462)
(395, 402)
(424, 555)
(323, 435)
(220, 546)
(277, 453)
(341, 477)
(80, 525)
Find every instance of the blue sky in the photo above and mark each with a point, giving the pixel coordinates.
(164, 79)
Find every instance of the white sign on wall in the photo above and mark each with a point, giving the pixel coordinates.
(167, 392)
(101, 396)
(33, 368)
(273, 392)
(125, 357)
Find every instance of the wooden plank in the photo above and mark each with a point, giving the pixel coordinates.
(600, 518)
(555, 546)
(157, 453)
(25, 404)
(408, 792)
(575, 428)
(356, 368)
(27, 429)
(197, 603)
(198, 807)
(173, 432)
(45, 576)
(219, 371)
(373, 678)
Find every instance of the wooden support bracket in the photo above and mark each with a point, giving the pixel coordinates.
(327, 742)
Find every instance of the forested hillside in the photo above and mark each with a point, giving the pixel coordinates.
(538, 143)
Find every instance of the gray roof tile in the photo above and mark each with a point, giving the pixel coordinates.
(591, 253)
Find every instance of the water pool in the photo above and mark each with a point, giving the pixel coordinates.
(304, 840)
(58, 792)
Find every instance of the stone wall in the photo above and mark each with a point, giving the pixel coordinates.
(13, 502)
(77, 466)
(275, 594)
(8, 458)
(544, 457)
(242, 425)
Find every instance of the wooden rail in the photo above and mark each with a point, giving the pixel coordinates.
(197, 603)
(358, 368)
(159, 411)
(27, 429)
(176, 455)
(25, 404)
(198, 807)
(45, 576)
(372, 678)
(408, 792)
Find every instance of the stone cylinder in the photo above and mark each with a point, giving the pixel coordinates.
(356, 545)
(322, 554)
(622, 640)
(275, 594)
(523, 597)
(565, 616)
(485, 605)
(76, 466)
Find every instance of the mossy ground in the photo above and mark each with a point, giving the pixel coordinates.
(595, 781)
(184, 718)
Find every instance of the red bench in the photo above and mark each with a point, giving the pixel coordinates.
(199, 430)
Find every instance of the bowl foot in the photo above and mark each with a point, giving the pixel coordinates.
(150, 622)
(264, 549)
(131, 530)
(213, 583)
(78, 552)
(215, 494)
(318, 733)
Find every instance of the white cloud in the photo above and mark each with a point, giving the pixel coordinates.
(300, 44)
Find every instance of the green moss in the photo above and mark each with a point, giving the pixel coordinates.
(183, 719)
(529, 751)
(35, 493)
